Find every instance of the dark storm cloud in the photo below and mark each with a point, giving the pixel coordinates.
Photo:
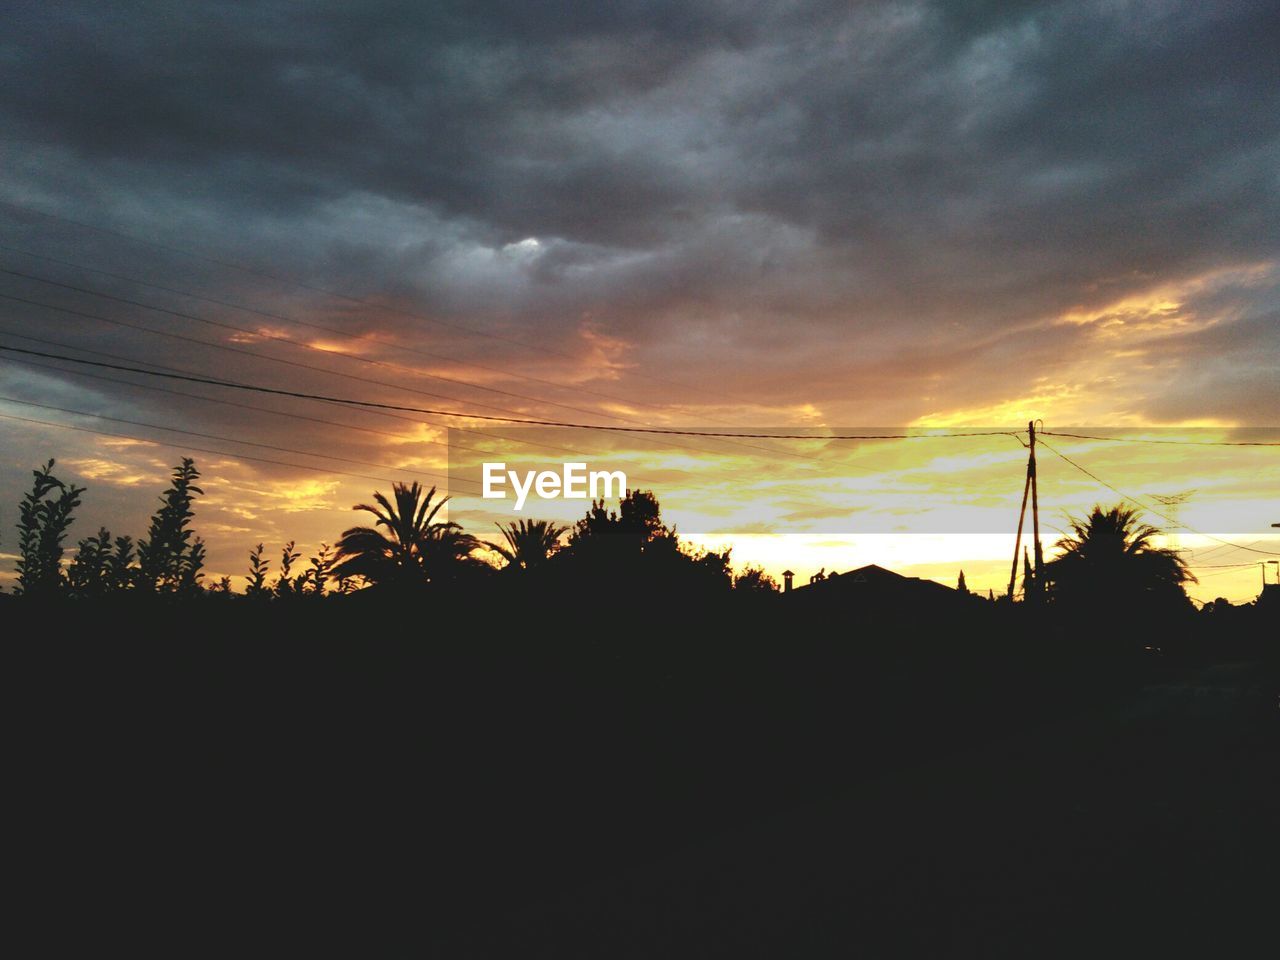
(456, 107)
(784, 193)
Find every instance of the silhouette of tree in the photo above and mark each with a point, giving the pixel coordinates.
(122, 572)
(415, 549)
(258, 569)
(43, 518)
(1032, 586)
(89, 575)
(633, 546)
(170, 561)
(633, 527)
(753, 580)
(640, 515)
(284, 583)
(529, 543)
(1109, 560)
(316, 579)
(711, 568)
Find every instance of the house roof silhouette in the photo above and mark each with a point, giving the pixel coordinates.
(873, 585)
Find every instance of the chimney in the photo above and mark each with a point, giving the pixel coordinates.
(787, 577)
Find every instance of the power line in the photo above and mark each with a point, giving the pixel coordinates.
(250, 443)
(1116, 490)
(302, 345)
(257, 388)
(179, 370)
(178, 374)
(239, 406)
(1179, 443)
(170, 248)
(725, 439)
(294, 363)
(189, 447)
(311, 347)
(417, 421)
(378, 406)
(462, 328)
(243, 352)
(1220, 573)
(1151, 509)
(276, 278)
(450, 445)
(1212, 550)
(431, 355)
(486, 434)
(340, 332)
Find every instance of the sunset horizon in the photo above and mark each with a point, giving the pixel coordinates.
(646, 478)
(932, 219)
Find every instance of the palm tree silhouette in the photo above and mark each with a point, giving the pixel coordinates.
(530, 543)
(1110, 559)
(415, 549)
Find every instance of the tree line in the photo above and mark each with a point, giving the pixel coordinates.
(168, 560)
(405, 546)
(1109, 559)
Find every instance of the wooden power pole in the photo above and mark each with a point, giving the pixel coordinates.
(1035, 508)
(1029, 488)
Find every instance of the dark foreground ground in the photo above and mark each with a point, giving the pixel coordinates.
(634, 780)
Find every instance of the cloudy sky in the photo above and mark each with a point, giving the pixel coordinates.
(676, 214)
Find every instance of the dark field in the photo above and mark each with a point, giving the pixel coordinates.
(632, 779)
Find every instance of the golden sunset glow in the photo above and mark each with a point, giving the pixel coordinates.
(652, 479)
(677, 247)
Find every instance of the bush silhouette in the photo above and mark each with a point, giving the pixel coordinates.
(44, 516)
(170, 560)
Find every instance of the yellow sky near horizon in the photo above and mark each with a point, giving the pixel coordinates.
(927, 506)
(884, 214)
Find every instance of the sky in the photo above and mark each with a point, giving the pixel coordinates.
(717, 216)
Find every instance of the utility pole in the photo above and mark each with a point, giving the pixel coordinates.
(1035, 508)
(1029, 488)
(1017, 542)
